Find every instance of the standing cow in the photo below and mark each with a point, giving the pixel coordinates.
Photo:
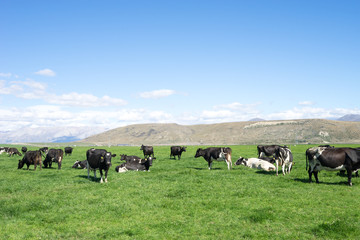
(54, 155)
(98, 159)
(30, 158)
(177, 151)
(332, 159)
(147, 150)
(283, 156)
(13, 151)
(215, 153)
(268, 150)
(68, 151)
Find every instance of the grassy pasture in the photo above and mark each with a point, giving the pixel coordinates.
(177, 199)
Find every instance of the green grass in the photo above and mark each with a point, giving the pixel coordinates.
(176, 200)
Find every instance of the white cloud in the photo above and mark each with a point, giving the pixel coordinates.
(46, 72)
(7, 75)
(84, 100)
(306, 103)
(157, 93)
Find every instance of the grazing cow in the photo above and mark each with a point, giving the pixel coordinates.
(80, 164)
(177, 151)
(54, 155)
(68, 151)
(147, 150)
(13, 151)
(285, 157)
(215, 153)
(24, 150)
(31, 158)
(332, 159)
(135, 164)
(268, 150)
(256, 163)
(98, 159)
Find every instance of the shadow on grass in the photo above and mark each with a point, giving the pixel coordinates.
(199, 169)
(306, 180)
(91, 178)
(266, 173)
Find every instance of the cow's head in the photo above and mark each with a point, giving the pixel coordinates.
(142, 147)
(123, 157)
(106, 158)
(240, 161)
(183, 149)
(198, 153)
(76, 164)
(20, 164)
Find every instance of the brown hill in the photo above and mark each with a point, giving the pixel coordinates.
(317, 131)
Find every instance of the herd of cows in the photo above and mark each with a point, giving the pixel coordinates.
(270, 157)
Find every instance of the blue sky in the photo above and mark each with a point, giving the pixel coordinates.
(114, 63)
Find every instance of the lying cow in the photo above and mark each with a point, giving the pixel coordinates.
(215, 153)
(54, 155)
(30, 158)
(177, 151)
(332, 159)
(80, 164)
(124, 157)
(256, 163)
(135, 165)
(99, 159)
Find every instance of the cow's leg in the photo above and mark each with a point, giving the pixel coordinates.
(349, 173)
(88, 168)
(277, 167)
(106, 173)
(210, 164)
(316, 176)
(59, 163)
(310, 175)
(289, 167)
(262, 154)
(283, 168)
(101, 176)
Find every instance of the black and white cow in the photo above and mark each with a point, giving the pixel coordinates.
(332, 159)
(13, 151)
(54, 155)
(3, 149)
(268, 150)
(80, 164)
(99, 159)
(284, 158)
(147, 150)
(68, 151)
(31, 158)
(215, 153)
(135, 165)
(256, 163)
(177, 151)
(124, 157)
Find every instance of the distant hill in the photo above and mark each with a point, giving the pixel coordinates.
(317, 131)
(350, 118)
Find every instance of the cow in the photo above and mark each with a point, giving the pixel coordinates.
(177, 151)
(268, 159)
(24, 150)
(31, 158)
(332, 159)
(268, 150)
(130, 158)
(98, 159)
(54, 155)
(13, 151)
(80, 164)
(68, 151)
(3, 149)
(215, 153)
(136, 165)
(256, 163)
(147, 150)
(283, 155)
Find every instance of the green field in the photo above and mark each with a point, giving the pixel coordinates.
(177, 199)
